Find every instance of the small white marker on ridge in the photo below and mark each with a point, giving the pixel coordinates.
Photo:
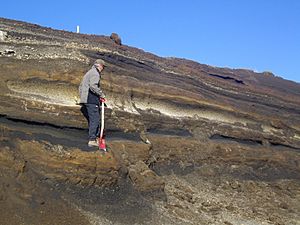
(77, 30)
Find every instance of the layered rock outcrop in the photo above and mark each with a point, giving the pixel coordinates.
(230, 131)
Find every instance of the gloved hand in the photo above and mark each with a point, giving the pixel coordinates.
(103, 100)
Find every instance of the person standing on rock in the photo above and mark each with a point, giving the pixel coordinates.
(90, 94)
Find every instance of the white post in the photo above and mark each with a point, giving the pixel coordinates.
(77, 29)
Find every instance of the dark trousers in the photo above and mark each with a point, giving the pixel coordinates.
(92, 114)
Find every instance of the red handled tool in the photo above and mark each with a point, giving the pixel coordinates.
(102, 145)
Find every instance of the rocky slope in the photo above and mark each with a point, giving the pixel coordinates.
(224, 143)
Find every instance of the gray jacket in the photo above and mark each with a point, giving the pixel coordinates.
(90, 81)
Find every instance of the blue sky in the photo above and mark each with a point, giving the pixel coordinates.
(262, 35)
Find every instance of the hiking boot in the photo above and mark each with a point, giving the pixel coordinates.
(93, 143)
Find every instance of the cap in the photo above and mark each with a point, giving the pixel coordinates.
(99, 61)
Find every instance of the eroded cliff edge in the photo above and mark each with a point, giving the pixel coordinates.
(233, 130)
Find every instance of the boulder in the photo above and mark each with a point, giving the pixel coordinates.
(144, 179)
(116, 38)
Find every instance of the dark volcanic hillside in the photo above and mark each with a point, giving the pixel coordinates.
(224, 149)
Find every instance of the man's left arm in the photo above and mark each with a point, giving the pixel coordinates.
(94, 82)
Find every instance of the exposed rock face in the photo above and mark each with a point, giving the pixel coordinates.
(221, 145)
(2, 35)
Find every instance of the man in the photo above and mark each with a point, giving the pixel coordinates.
(90, 94)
